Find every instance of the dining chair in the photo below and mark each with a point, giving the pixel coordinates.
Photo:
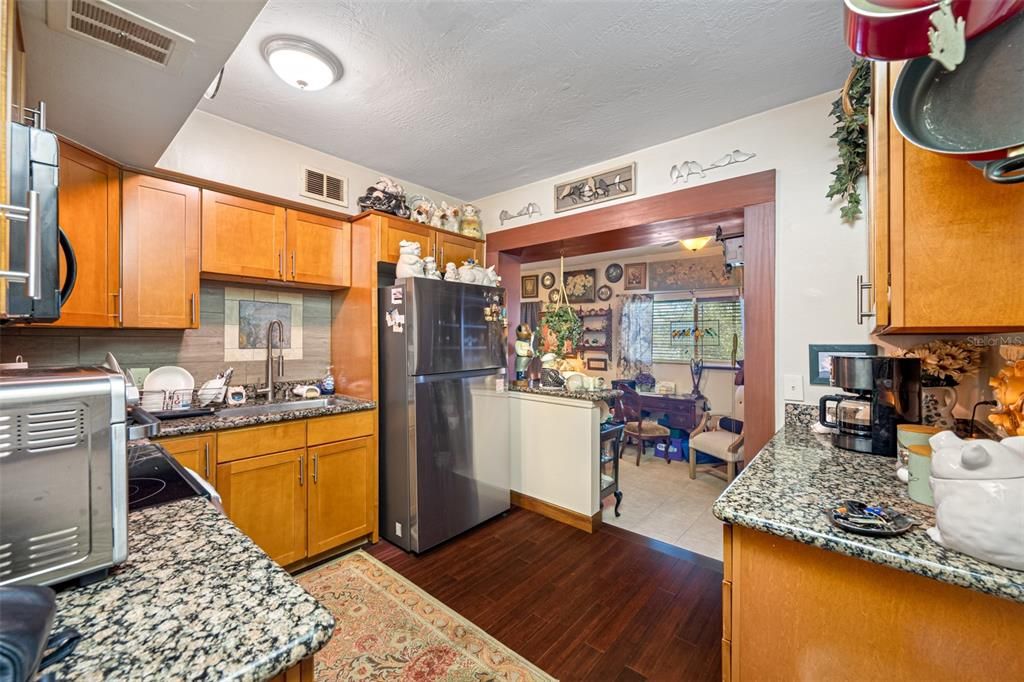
(639, 430)
(720, 436)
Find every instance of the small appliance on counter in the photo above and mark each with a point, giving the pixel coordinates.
(63, 474)
(885, 392)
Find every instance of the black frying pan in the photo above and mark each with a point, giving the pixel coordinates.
(976, 112)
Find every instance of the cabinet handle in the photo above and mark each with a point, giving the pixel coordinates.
(302, 466)
(862, 286)
(206, 457)
(120, 305)
(192, 308)
(280, 263)
(440, 263)
(316, 467)
(293, 265)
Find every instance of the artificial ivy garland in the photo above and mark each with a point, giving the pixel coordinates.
(850, 110)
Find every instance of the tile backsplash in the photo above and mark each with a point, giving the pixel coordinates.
(200, 351)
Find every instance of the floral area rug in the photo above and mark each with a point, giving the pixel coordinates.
(389, 629)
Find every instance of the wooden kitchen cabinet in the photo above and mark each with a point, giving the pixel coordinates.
(319, 250)
(159, 218)
(242, 237)
(266, 498)
(343, 493)
(393, 231)
(453, 248)
(88, 204)
(198, 453)
(945, 242)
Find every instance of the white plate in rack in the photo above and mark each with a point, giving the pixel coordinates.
(173, 381)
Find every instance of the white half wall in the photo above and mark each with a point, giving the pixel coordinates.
(213, 148)
(818, 257)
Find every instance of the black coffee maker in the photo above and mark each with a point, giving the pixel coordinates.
(885, 392)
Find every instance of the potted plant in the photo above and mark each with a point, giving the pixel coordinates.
(944, 364)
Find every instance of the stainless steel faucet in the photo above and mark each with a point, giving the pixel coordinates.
(269, 388)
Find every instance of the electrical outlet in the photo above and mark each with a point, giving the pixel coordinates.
(139, 374)
(793, 387)
(398, 529)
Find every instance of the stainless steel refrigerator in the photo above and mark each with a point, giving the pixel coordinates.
(444, 464)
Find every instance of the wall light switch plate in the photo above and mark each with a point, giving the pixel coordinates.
(793, 387)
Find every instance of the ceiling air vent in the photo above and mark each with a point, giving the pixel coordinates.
(113, 27)
(321, 185)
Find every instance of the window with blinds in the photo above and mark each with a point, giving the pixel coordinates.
(673, 330)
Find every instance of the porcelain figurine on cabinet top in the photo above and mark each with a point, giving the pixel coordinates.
(451, 273)
(430, 268)
(409, 262)
(471, 226)
(978, 487)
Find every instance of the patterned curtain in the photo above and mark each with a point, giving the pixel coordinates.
(636, 335)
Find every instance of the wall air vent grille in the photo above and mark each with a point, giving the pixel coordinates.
(102, 22)
(323, 186)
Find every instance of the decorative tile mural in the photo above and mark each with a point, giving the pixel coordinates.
(247, 314)
(692, 273)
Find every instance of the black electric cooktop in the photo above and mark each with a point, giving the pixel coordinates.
(155, 478)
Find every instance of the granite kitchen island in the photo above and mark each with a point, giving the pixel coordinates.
(803, 599)
(555, 452)
(196, 599)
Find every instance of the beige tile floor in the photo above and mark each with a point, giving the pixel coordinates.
(660, 501)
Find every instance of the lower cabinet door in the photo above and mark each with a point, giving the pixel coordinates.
(266, 498)
(343, 492)
(198, 453)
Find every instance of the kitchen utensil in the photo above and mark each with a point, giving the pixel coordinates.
(973, 113)
(877, 521)
(175, 382)
(892, 30)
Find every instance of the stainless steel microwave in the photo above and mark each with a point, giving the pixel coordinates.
(63, 474)
(35, 292)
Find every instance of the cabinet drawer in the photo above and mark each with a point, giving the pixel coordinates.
(260, 440)
(339, 427)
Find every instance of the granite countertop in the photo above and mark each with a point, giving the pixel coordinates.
(583, 394)
(786, 488)
(196, 599)
(215, 422)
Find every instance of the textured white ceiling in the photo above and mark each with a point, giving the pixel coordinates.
(473, 98)
(117, 104)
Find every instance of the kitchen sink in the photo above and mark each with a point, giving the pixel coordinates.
(274, 408)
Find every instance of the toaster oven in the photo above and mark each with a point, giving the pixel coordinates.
(63, 474)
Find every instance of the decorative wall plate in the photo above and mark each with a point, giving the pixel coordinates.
(547, 280)
(553, 296)
(613, 273)
(604, 293)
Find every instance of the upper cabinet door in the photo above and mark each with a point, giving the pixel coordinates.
(160, 218)
(319, 250)
(242, 238)
(451, 248)
(88, 204)
(394, 231)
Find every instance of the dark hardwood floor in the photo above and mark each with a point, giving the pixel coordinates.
(609, 606)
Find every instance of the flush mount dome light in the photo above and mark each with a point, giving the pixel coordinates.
(300, 63)
(695, 244)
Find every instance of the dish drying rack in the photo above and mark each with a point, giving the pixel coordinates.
(160, 400)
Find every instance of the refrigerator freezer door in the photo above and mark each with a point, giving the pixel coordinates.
(450, 328)
(462, 463)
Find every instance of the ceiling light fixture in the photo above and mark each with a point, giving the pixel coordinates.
(301, 63)
(695, 244)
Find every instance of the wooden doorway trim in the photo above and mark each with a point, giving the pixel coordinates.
(601, 229)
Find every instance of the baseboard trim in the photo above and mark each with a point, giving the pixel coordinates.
(556, 513)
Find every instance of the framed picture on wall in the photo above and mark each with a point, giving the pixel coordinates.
(530, 286)
(597, 364)
(580, 285)
(820, 365)
(636, 276)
